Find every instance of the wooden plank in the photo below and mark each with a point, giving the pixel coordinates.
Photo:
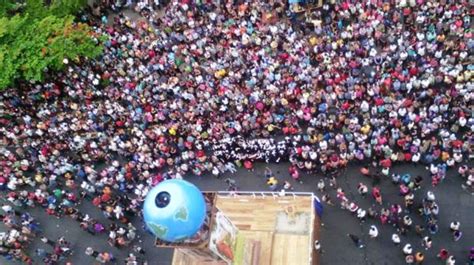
(260, 213)
(290, 249)
(266, 241)
(194, 257)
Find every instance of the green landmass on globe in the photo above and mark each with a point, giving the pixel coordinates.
(182, 214)
(158, 230)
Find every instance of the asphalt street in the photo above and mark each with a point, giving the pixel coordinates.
(455, 204)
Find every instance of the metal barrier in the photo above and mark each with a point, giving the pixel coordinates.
(265, 193)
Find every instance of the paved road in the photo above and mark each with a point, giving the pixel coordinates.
(455, 204)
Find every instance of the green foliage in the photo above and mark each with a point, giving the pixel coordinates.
(6, 6)
(62, 8)
(38, 38)
(37, 8)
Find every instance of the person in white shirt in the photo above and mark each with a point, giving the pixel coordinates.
(321, 185)
(396, 239)
(454, 226)
(407, 249)
(451, 260)
(373, 232)
(427, 242)
(361, 214)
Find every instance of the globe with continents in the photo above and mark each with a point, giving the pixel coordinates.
(174, 210)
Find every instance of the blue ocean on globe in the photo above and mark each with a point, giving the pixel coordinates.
(174, 210)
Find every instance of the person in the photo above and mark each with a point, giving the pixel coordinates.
(47, 241)
(365, 171)
(407, 222)
(294, 173)
(373, 232)
(377, 195)
(409, 259)
(457, 235)
(407, 249)
(396, 239)
(451, 260)
(361, 215)
(327, 199)
(433, 226)
(287, 185)
(419, 258)
(362, 189)
(282, 193)
(371, 213)
(91, 252)
(454, 226)
(321, 185)
(131, 259)
(469, 184)
(419, 229)
(430, 197)
(426, 242)
(395, 178)
(317, 246)
(357, 241)
(248, 164)
(272, 182)
(333, 182)
(268, 173)
(443, 254)
(231, 184)
(409, 202)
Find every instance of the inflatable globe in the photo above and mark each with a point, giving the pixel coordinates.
(174, 210)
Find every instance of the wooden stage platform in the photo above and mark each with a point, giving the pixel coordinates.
(272, 229)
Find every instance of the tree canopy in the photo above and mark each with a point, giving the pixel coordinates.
(35, 37)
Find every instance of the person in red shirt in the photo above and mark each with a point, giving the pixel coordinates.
(377, 195)
(443, 254)
(248, 165)
(294, 173)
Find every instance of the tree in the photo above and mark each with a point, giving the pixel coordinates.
(35, 38)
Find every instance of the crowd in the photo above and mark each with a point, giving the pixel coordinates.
(400, 218)
(209, 87)
(19, 232)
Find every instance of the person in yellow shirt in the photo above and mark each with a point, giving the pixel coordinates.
(172, 131)
(272, 181)
(365, 129)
